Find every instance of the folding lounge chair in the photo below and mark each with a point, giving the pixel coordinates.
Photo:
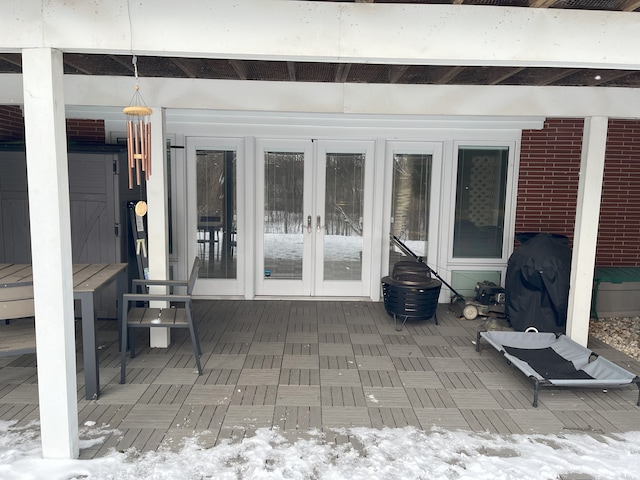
(551, 360)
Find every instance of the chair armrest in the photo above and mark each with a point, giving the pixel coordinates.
(146, 297)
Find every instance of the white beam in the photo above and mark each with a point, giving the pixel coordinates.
(374, 99)
(157, 217)
(51, 250)
(328, 31)
(585, 234)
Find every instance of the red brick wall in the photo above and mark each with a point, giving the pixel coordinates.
(548, 186)
(85, 130)
(548, 182)
(78, 130)
(11, 123)
(619, 230)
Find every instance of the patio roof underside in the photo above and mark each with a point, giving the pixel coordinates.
(365, 72)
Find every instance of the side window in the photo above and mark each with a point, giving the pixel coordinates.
(410, 203)
(480, 202)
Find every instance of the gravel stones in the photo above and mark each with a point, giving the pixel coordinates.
(621, 333)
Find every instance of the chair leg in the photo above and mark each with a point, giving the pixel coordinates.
(132, 342)
(194, 340)
(123, 347)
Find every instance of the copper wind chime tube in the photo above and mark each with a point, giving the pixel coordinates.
(138, 143)
(138, 135)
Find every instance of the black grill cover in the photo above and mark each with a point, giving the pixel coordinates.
(537, 284)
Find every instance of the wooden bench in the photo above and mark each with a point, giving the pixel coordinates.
(17, 331)
(136, 316)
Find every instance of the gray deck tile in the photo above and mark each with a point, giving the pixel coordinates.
(438, 351)
(370, 350)
(299, 337)
(536, 420)
(474, 399)
(298, 396)
(380, 378)
(513, 399)
(300, 361)
(338, 362)
(301, 349)
(460, 380)
(441, 364)
(342, 396)
(386, 417)
(336, 349)
(266, 348)
(173, 376)
(339, 378)
(345, 417)
(259, 376)
(304, 365)
(18, 375)
(224, 376)
(368, 362)
(144, 416)
(333, 338)
(404, 351)
(366, 339)
(299, 376)
(362, 329)
(248, 416)
(412, 364)
(448, 418)
(210, 395)
(296, 421)
(225, 361)
(418, 379)
(25, 394)
(254, 395)
(430, 398)
(263, 361)
(386, 397)
(333, 328)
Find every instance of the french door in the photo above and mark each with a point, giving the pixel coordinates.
(313, 217)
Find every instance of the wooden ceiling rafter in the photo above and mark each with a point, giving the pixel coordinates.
(631, 6)
(240, 68)
(187, 69)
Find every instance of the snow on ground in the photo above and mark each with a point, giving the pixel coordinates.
(388, 454)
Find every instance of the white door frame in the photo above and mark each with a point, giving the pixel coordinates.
(212, 287)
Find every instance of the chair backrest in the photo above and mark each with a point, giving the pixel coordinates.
(194, 275)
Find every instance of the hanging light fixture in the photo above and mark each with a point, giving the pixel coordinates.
(138, 135)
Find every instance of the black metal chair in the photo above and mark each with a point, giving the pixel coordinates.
(135, 316)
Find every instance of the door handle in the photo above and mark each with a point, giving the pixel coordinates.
(318, 227)
(309, 224)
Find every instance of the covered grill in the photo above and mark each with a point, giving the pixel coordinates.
(410, 293)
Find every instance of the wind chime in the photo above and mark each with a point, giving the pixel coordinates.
(138, 135)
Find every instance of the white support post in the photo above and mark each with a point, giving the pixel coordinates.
(48, 179)
(585, 233)
(157, 217)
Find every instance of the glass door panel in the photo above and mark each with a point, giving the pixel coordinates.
(315, 229)
(343, 199)
(410, 203)
(283, 215)
(283, 223)
(343, 214)
(213, 227)
(216, 212)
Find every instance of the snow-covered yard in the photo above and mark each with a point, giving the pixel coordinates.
(405, 453)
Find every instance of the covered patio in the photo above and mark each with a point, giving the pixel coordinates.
(300, 366)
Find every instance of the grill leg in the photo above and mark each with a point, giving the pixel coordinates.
(395, 320)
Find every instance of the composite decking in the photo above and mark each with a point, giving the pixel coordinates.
(303, 366)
